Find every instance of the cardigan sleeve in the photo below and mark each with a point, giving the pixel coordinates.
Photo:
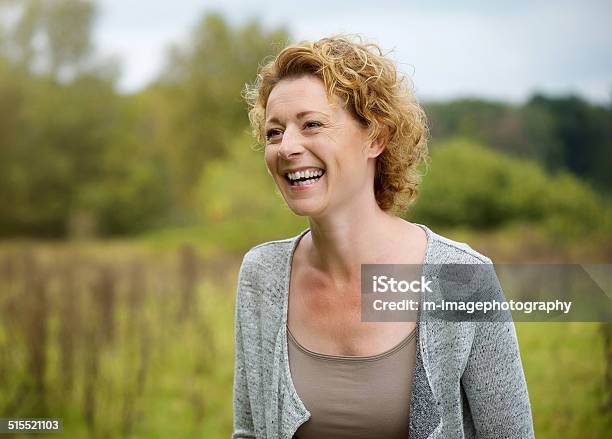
(241, 404)
(494, 380)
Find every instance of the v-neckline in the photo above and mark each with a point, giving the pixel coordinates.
(283, 327)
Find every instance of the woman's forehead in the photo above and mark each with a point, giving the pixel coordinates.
(297, 90)
(299, 97)
(299, 115)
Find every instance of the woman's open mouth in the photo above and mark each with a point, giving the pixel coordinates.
(304, 179)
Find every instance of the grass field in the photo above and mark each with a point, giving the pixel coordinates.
(564, 366)
(125, 340)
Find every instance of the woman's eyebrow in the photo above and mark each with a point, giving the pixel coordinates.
(299, 115)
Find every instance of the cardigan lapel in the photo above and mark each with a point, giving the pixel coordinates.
(425, 416)
(294, 412)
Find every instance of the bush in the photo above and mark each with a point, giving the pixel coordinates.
(238, 197)
(470, 185)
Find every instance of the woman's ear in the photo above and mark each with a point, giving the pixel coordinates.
(378, 145)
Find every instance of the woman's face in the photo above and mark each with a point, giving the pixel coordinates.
(318, 155)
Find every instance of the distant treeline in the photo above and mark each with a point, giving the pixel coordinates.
(76, 156)
(560, 132)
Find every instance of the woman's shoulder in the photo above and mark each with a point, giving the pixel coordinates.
(444, 250)
(267, 261)
(270, 252)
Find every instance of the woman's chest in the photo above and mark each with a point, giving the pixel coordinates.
(327, 320)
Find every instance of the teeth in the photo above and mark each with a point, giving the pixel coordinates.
(305, 182)
(305, 174)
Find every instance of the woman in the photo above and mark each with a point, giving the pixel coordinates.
(343, 140)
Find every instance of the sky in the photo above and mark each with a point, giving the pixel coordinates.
(501, 50)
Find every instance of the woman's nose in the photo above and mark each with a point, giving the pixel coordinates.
(290, 144)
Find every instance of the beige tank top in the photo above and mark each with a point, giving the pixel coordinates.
(354, 396)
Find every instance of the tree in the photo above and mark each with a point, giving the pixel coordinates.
(201, 82)
(69, 143)
(584, 137)
(39, 40)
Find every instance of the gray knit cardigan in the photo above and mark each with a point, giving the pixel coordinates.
(468, 378)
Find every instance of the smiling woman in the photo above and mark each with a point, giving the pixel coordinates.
(335, 88)
(330, 142)
(344, 138)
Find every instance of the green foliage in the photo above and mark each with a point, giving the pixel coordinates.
(584, 137)
(237, 185)
(71, 147)
(237, 195)
(470, 185)
(562, 133)
(46, 22)
(572, 353)
(202, 83)
(475, 118)
(64, 152)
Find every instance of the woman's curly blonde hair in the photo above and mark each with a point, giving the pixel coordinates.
(372, 91)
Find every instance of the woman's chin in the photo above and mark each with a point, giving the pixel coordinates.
(304, 207)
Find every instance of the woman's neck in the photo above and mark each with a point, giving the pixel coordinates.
(338, 246)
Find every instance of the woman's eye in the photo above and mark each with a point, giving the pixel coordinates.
(271, 133)
(316, 124)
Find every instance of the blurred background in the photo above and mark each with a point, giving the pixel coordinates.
(130, 189)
